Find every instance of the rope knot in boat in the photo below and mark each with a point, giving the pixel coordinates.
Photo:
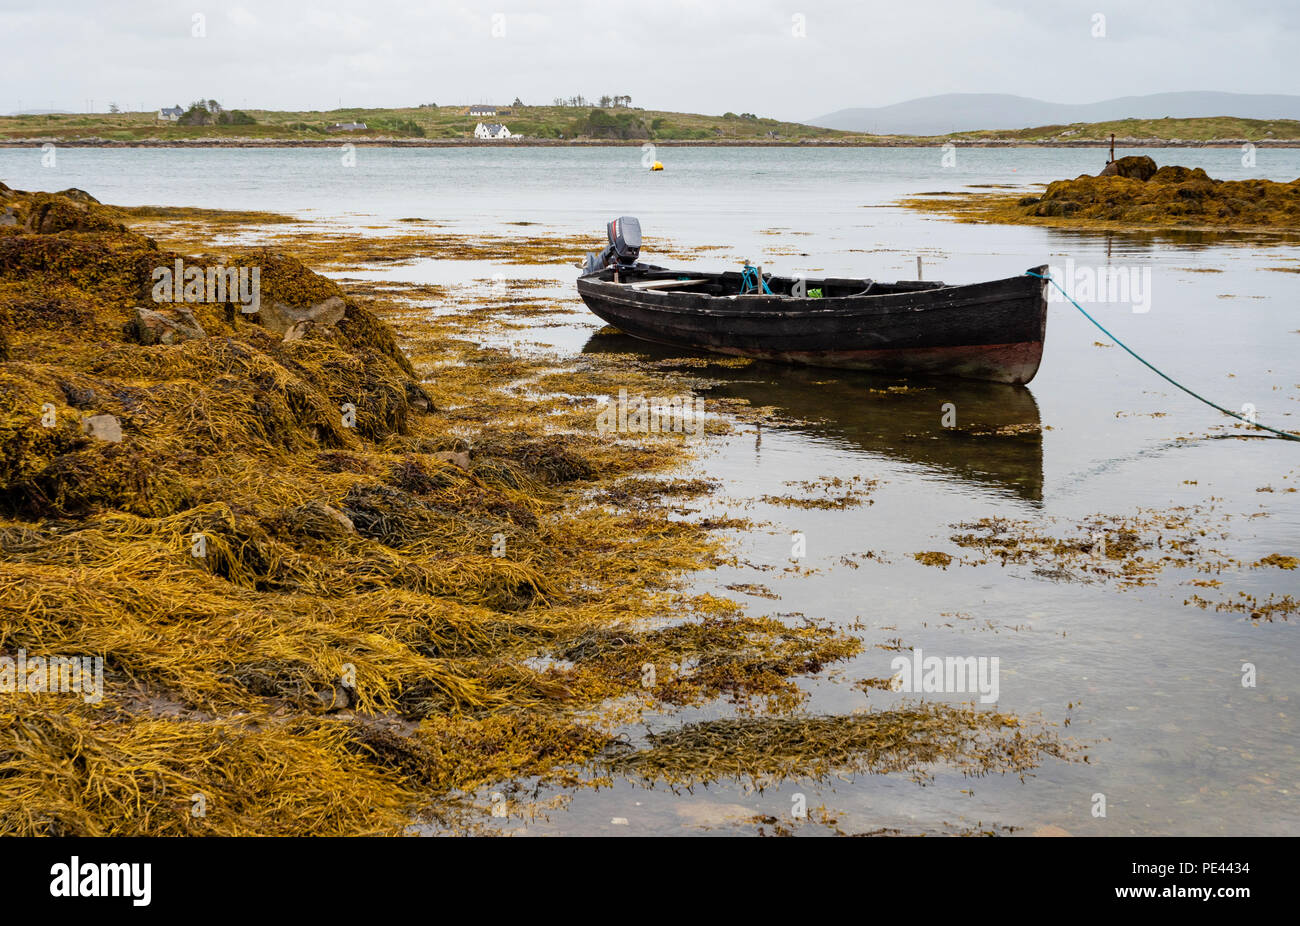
(750, 278)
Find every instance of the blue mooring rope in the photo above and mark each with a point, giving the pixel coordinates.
(1286, 434)
(757, 282)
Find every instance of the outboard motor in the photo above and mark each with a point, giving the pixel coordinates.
(624, 247)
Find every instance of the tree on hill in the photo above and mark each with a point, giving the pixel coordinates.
(601, 124)
(398, 126)
(197, 114)
(209, 112)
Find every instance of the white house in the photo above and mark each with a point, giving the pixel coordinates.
(170, 114)
(347, 127)
(493, 130)
(482, 110)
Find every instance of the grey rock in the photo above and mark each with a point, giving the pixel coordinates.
(170, 325)
(281, 318)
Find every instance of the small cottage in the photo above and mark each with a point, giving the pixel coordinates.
(170, 114)
(493, 130)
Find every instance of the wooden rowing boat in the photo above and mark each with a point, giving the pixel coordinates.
(989, 331)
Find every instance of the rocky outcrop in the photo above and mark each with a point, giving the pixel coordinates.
(51, 213)
(101, 381)
(1172, 173)
(289, 294)
(77, 195)
(1135, 167)
(1136, 193)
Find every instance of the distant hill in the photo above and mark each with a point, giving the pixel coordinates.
(1205, 129)
(965, 112)
(423, 123)
(586, 125)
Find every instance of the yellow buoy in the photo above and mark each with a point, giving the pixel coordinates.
(657, 165)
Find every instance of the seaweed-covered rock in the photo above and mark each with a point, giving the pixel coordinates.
(1136, 167)
(51, 213)
(188, 382)
(1173, 173)
(288, 292)
(1195, 190)
(76, 195)
(1171, 195)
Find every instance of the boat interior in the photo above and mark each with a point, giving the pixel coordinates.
(741, 284)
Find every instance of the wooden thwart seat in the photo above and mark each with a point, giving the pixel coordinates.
(666, 284)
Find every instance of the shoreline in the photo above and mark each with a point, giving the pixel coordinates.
(607, 143)
(442, 672)
(494, 591)
(1140, 198)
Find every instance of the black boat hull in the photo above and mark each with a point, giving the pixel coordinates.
(987, 331)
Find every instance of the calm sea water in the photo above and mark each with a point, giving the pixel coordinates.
(1177, 744)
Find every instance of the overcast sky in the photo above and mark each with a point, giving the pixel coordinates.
(667, 54)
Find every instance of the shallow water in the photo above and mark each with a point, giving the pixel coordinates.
(1175, 742)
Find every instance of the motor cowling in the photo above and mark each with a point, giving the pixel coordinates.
(624, 246)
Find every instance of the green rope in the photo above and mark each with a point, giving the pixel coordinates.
(1287, 434)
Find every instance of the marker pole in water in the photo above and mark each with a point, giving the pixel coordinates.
(918, 267)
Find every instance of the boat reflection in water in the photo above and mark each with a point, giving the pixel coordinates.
(996, 442)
